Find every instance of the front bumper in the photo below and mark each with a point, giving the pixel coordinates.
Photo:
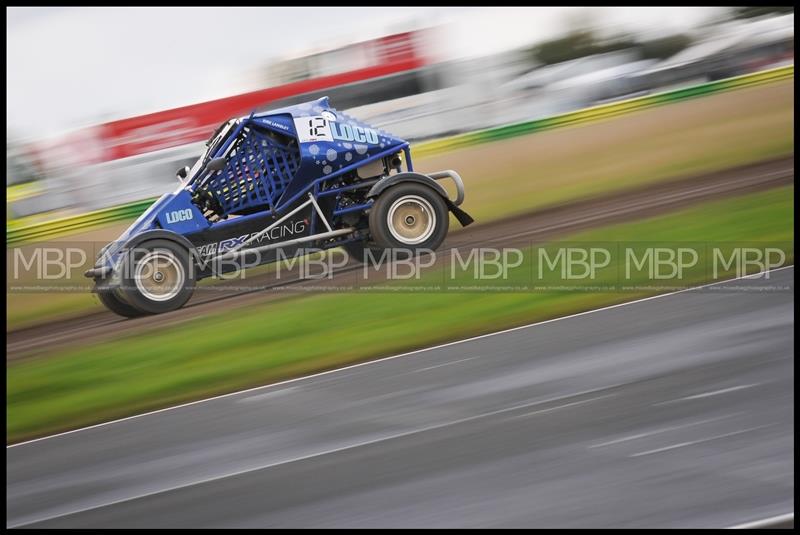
(456, 178)
(98, 272)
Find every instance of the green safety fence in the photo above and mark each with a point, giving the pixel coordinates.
(68, 225)
(17, 234)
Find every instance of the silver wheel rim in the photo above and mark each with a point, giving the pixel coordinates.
(159, 276)
(411, 219)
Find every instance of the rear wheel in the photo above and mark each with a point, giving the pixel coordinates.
(115, 304)
(409, 215)
(159, 277)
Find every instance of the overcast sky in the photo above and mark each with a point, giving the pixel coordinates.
(71, 67)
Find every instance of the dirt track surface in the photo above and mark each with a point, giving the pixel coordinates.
(538, 226)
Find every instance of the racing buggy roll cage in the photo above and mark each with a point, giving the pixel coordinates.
(235, 190)
(303, 174)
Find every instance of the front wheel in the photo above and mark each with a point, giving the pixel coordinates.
(158, 277)
(410, 216)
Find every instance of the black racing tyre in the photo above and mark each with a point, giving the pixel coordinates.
(158, 276)
(410, 216)
(116, 305)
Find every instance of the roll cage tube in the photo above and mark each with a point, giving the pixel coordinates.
(220, 137)
(199, 165)
(217, 138)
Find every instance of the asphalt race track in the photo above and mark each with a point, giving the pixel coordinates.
(675, 411)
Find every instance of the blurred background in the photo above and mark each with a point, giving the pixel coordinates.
(105, 104)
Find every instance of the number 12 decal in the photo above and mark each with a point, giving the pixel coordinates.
(316, 126)
(311, 129)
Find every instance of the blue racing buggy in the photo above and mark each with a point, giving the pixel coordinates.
(301, 176)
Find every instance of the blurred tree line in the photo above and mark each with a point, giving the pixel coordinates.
(586, 42)
(582, 41)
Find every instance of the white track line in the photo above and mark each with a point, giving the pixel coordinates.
(718, 392)
(708, 394)
(384, 359)
(700, 441)
(659, 431)
(445, 364)
(766, 522)
(557, 407)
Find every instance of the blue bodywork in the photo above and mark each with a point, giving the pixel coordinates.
(273, 160)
